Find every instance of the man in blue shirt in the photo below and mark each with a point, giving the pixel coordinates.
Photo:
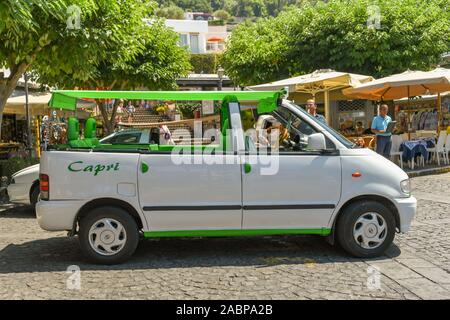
(312, 110)
(379, 126)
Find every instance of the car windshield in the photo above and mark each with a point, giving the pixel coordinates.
(347, 143)
(123, 137)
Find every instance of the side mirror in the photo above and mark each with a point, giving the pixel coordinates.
(316, 141)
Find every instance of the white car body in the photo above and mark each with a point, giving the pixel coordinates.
(22, 182)
(307, 192)
(19, 189)
(226, 193)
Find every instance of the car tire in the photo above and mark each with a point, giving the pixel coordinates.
(366, 229)
(108, 235)
(34, 195)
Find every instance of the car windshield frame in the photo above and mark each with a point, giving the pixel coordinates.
(343, 140)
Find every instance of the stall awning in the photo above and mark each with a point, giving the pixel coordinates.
(402, 85)
(37, 100)
(324, 80)
(67, 99)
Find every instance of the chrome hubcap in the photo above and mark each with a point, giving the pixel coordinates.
(107, 236)
(370, 230)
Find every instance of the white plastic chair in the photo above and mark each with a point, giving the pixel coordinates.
(439, 149)
(447, 148)
(396, 142)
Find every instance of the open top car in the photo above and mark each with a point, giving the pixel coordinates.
(302, 178)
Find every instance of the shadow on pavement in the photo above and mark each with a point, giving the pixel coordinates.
(17, 211)
(57, 253)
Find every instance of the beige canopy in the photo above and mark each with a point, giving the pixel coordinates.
(38, 102)
(320, 81)
(406, 84)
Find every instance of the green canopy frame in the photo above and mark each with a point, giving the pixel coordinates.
(67, 99)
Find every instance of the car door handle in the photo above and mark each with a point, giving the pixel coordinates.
(144, 167)
(247, 167)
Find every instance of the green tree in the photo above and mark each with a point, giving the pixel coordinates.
(249, 8)
(411, 34)
(58, 37)
(222, 15)
(189, 5)
(171, 12)
(256, 52)
(156, 66)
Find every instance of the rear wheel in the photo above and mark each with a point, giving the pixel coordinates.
(34, 195)
(366, 229)
(108, 235)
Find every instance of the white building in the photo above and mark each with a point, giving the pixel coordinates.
(198, 36)
(192, 33)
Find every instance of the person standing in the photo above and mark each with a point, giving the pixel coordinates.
(311, 107)
(379, 127)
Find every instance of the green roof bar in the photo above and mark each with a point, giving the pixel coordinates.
(67, 99)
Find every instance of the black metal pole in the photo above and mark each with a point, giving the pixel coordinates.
(220, 84)
(27, 110)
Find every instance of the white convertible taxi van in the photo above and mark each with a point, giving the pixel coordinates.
(293, 175)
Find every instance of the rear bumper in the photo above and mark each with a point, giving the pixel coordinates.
(57, 215)
(407, 208)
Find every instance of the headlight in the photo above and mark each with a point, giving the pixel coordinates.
(405, 186)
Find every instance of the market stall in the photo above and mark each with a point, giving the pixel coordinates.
(46, 124)
(320, 81)
(419, 122)
(351, 117)
(14, 125)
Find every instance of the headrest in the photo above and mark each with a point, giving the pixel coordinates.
(90, 129)
(73, 132)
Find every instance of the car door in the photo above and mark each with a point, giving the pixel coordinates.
(200, 191)
(293, 188)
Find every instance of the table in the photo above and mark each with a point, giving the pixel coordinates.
(415, 148)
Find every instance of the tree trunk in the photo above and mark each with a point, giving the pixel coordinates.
(7, 86)
(108, 122)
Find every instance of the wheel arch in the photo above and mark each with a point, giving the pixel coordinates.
(369, 197)
(104, 202)
(34, 184)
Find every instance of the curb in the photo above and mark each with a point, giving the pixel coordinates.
(426, 172)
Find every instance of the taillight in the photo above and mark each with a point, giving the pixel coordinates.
(44, 185)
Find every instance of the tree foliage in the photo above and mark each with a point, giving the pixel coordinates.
(111, 48)
(237, 8)
(256, 52)
(222, 15)
(412, 34)
(205, 63)
(170, 12)
(59, 37)
(156, 65)
(188, 5)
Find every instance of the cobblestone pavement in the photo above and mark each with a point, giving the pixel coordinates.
(33, 263)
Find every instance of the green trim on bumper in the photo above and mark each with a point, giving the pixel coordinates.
(233, 233)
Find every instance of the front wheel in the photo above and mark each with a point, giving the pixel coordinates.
(108, 235)
(366, 229)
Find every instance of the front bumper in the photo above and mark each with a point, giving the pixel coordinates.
(57, 215)
(407, 208)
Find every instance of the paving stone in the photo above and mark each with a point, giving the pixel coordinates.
(425, 289)
(436, 275)
(33, 263)
(395, 270)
